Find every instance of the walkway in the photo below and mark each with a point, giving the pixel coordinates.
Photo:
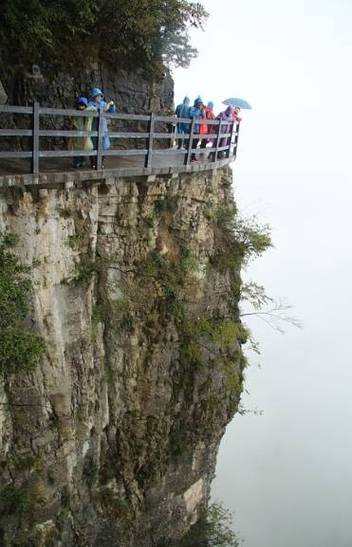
(49, 153)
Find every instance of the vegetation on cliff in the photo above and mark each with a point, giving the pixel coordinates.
(122, 33)
(20, 346)
(213, 529)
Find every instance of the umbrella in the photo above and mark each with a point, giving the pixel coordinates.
(238, 102)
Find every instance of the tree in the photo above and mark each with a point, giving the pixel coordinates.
(272, 312)
(124, 33)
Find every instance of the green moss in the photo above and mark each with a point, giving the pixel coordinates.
(223, 333)
(168, 203)
(20, 347)
(84, 269)
(90, 472)
(74, 241)
(80, 240)
(13, 500)
(65, 212)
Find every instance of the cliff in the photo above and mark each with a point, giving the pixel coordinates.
(112, 439)
(50, 86)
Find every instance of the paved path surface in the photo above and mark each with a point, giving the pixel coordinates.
(60, 170)
(54, 165)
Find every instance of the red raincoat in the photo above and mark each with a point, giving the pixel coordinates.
(208, 115)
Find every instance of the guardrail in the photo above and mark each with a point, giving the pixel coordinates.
(224, 136)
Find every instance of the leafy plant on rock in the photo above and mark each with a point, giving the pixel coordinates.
(20, 346)
(213, 529)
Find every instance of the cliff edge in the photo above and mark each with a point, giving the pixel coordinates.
(112, 439)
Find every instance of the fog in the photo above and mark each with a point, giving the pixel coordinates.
(287, 474)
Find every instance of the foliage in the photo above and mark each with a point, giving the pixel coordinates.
(255, 295)
(242, 238)
(213, 529)
(273, 312)
(129, 33)
(20, 346)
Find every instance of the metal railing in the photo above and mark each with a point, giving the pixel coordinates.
(222, 134)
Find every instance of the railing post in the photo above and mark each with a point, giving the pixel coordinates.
(100, 140)
(190, 142)
(172, 133)
(215, 156)
(236, 139)
(149, 156)
(35, 140)
(228, 152)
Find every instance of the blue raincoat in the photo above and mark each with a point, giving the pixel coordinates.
(196, 112)
(102, 106)
(182, 111)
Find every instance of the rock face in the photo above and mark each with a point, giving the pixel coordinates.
(112, 440)
(133, 92)
(3, 96)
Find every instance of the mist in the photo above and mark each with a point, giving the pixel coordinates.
(286, 474)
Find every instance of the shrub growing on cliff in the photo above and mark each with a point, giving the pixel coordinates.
(240, 239)
(213, 529)
(20, 347)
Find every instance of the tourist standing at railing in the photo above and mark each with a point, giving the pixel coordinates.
(236, 115)
(182, 111)
(225, 116)
(196, 112)
(96, 101)
(81, 123)
(206, 129)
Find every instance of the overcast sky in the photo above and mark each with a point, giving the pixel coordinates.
(287, 475)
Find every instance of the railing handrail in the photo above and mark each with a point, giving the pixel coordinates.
(69, 112)
(224, 130)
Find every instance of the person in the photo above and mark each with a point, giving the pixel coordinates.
(196, 112)
(96, 101)
(182, 111)
(81, 124)
(225, 116)
(206, 129)
(236, 114)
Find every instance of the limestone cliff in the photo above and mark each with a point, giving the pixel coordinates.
(112, 439)
(132, 91)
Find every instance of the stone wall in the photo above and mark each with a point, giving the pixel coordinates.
(113, 439)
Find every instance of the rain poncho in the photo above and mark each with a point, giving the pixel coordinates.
(182, 111)
(236, 115)
(102, 105)
(209, 115)
(226, 116)
(196, 112)
(82, 124)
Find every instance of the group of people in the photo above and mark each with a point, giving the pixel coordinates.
(205, 133)
(201, 111)
(94, 103)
